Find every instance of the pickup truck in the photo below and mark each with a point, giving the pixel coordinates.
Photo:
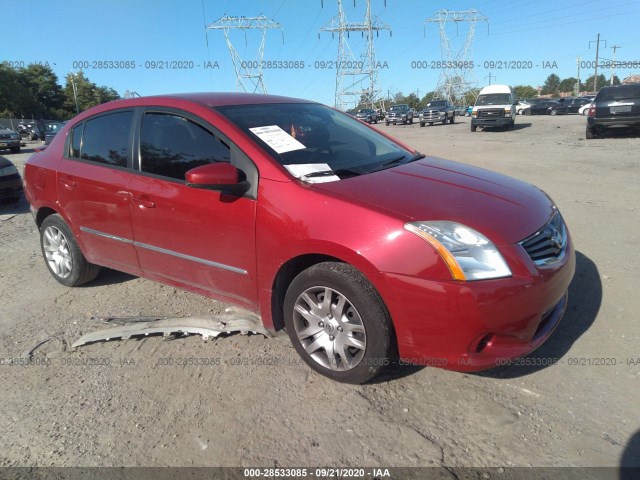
(400, 113)
(437, 111)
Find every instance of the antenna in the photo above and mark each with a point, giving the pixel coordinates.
(456, 76)
(354, 76)
(248, 73)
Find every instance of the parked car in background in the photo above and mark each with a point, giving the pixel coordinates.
(584, 110)
(386, 250)
(522, 106)
(367, 115)
(615, 107)
(30, 131)
(10, 140)
(51, 129)
(10, 182)
(437, 111)
(495, 107)
(546, 107)
(400, 113)
(573, 105)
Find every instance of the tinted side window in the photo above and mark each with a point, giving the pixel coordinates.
(76, 137)
(170, 145)
(106, 139)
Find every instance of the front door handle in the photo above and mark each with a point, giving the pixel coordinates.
(144, 202)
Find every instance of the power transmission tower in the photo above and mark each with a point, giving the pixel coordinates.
(456, 76)
(354, 76)
(613, 63)
(248, 73)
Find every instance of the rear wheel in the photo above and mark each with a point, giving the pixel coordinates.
(589, 135)
(338, 323)
(62, 255)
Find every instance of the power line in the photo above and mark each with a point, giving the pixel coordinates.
(456, 76)
(248, 73)
(356, 77)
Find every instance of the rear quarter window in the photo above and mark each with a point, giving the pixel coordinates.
(105, 139)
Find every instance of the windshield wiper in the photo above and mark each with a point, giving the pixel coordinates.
(340, 172)
(399, 160)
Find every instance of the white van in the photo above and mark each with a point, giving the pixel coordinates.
(495, 107)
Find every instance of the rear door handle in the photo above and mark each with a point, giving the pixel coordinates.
(67, 183)
(144, 202)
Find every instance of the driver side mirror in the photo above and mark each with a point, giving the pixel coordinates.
(218, 176)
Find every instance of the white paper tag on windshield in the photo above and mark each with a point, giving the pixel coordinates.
(301, 170)
(277, 138)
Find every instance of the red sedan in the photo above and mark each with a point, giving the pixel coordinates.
(358, 245)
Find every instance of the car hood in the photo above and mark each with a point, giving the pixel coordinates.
(502, 208)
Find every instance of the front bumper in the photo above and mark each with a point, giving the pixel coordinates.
(473, 326)
(433, 117)
(7, 143)
(491, 122)
(396, 120)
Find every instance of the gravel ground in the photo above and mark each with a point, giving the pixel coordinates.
(249, 401)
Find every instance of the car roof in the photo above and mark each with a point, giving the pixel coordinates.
(209, 99)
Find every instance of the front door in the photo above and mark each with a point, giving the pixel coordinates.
(192, 236)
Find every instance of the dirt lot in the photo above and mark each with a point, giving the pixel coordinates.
(123, 403)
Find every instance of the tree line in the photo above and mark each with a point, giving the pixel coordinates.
(34, 92)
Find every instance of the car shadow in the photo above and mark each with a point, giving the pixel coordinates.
(585, 298)
(517, 126)
(108, 277)
(630, 459)
(8, 207)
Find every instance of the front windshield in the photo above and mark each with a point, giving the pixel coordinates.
(437, 104)
(494, 99)
(315, 137)
(399, 108)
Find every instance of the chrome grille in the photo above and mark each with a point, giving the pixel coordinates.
(491, 112)
(548, 245)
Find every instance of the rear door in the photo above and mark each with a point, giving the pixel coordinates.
(93, 180)
(196, 237)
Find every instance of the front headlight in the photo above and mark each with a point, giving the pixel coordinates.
(468, 254)
(10, 170)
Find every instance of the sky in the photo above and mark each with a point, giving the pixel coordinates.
(521, 43)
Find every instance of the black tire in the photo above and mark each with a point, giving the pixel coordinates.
(422, 124)
(15, 149)
(387, 124)
(453, 119)
(411, 121)
(473, 128)
(527, 112)
(80, 271)
(362, 308)
(589, 135)
(444, 122)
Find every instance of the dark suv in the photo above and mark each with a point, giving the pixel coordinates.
(368, 115)
(437, 111)
(401, 113)
(614, 107)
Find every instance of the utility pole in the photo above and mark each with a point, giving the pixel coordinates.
(595, 75)
(353, 76)
(578, 82)
(457, 78)
(613, 63)
(490, 77)
(75, 92)
(248, 73)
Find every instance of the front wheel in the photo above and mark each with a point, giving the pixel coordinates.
(453, 119)
(62, 254)
(338, 323)
(473, 128)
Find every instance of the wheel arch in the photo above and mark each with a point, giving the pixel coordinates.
(43, 213)
(295, 265)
